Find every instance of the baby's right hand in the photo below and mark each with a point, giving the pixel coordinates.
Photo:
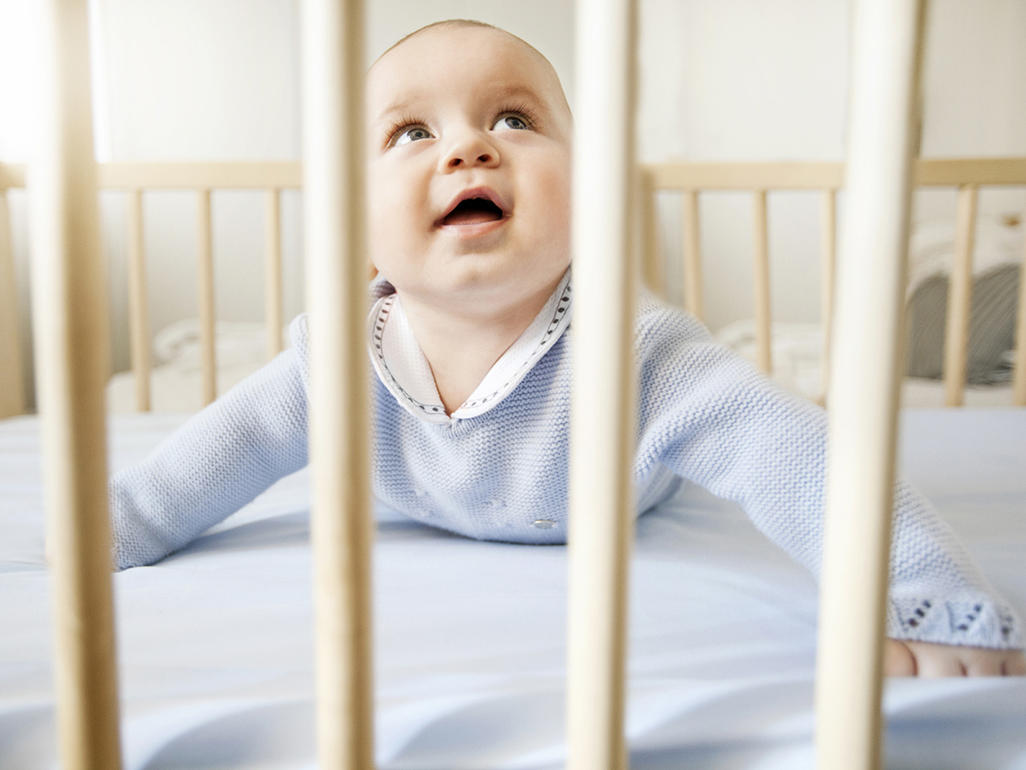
(924, 659)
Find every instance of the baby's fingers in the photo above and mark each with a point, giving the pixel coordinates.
(898, 659)
(934, 661)
(1014, 665)
(983, 665)
(938, 660)
(980, 662)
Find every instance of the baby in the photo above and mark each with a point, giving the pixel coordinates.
(469, 137)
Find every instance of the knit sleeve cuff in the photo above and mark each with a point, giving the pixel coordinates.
(136, 541)
(965, 621)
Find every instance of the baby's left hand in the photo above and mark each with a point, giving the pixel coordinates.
(935, 660)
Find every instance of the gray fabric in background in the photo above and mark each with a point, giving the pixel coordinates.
(991, 326)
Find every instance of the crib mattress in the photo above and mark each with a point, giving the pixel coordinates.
(216, 643)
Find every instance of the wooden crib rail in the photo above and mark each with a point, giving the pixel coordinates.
(71, 333)
(689, 180)
(12, 389)
(71, 351)
(967, 175)
(214, 175)
(135, 179)
(204, 178)
(604, 389)
(883, 115)
(341, 527)
(229, 175)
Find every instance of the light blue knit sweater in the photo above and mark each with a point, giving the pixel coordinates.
(706, 416)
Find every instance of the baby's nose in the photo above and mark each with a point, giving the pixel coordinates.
(468, 151)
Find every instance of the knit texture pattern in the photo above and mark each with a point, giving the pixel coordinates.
(705, 415)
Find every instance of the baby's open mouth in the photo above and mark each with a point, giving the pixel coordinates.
(475, 211)
(471, 212)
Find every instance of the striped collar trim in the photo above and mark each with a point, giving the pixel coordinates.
(403, 369)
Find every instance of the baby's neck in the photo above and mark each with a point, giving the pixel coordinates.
(461, 349)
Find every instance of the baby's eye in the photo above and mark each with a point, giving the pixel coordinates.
(511, 121)
(412, 134)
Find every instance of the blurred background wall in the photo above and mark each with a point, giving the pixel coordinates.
(751, 80)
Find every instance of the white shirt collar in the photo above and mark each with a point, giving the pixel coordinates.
(403, 369)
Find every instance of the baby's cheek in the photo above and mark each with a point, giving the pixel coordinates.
(555, 183)
(556, 209)
(390, 225)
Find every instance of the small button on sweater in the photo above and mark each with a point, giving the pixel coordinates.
(497, 468)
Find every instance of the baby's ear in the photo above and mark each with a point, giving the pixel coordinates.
(371, 271)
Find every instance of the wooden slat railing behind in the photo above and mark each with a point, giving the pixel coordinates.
(828, 256)
(205, 179)
(272, 272)
(692, 254)
(205, 291)
(1019, 384)
(12, 389)
(967, 175)
(138, 304)
(690, 180)
(956, 341)
(763, 313)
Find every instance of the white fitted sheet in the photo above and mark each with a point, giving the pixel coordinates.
(215, 643)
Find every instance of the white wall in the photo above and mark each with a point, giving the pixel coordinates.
(765, 81)
(724, 80)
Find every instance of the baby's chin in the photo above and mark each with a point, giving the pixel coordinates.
(480, 290)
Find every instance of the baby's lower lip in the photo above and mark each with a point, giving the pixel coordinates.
(475, 229)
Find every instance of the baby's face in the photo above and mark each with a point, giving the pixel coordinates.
(473, 113)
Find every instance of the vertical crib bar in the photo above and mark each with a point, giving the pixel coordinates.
(864, 382)
(692, 255)
(1019, 382)
(828, 250)
(333, 69)
(12, 389)
(602, 417)
(653, 264)
(72, 360)
(138, 306)
(956, 338)
(763, 328)
(205, 287)
(272, 272)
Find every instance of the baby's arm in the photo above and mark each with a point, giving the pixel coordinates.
(218, 461)
(713, 418)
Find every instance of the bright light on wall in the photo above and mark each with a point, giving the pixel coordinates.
(18, 88)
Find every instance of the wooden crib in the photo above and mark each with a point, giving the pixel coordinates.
(69, 312)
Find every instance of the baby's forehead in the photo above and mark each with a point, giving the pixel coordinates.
(417, 64)
(457, 40)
